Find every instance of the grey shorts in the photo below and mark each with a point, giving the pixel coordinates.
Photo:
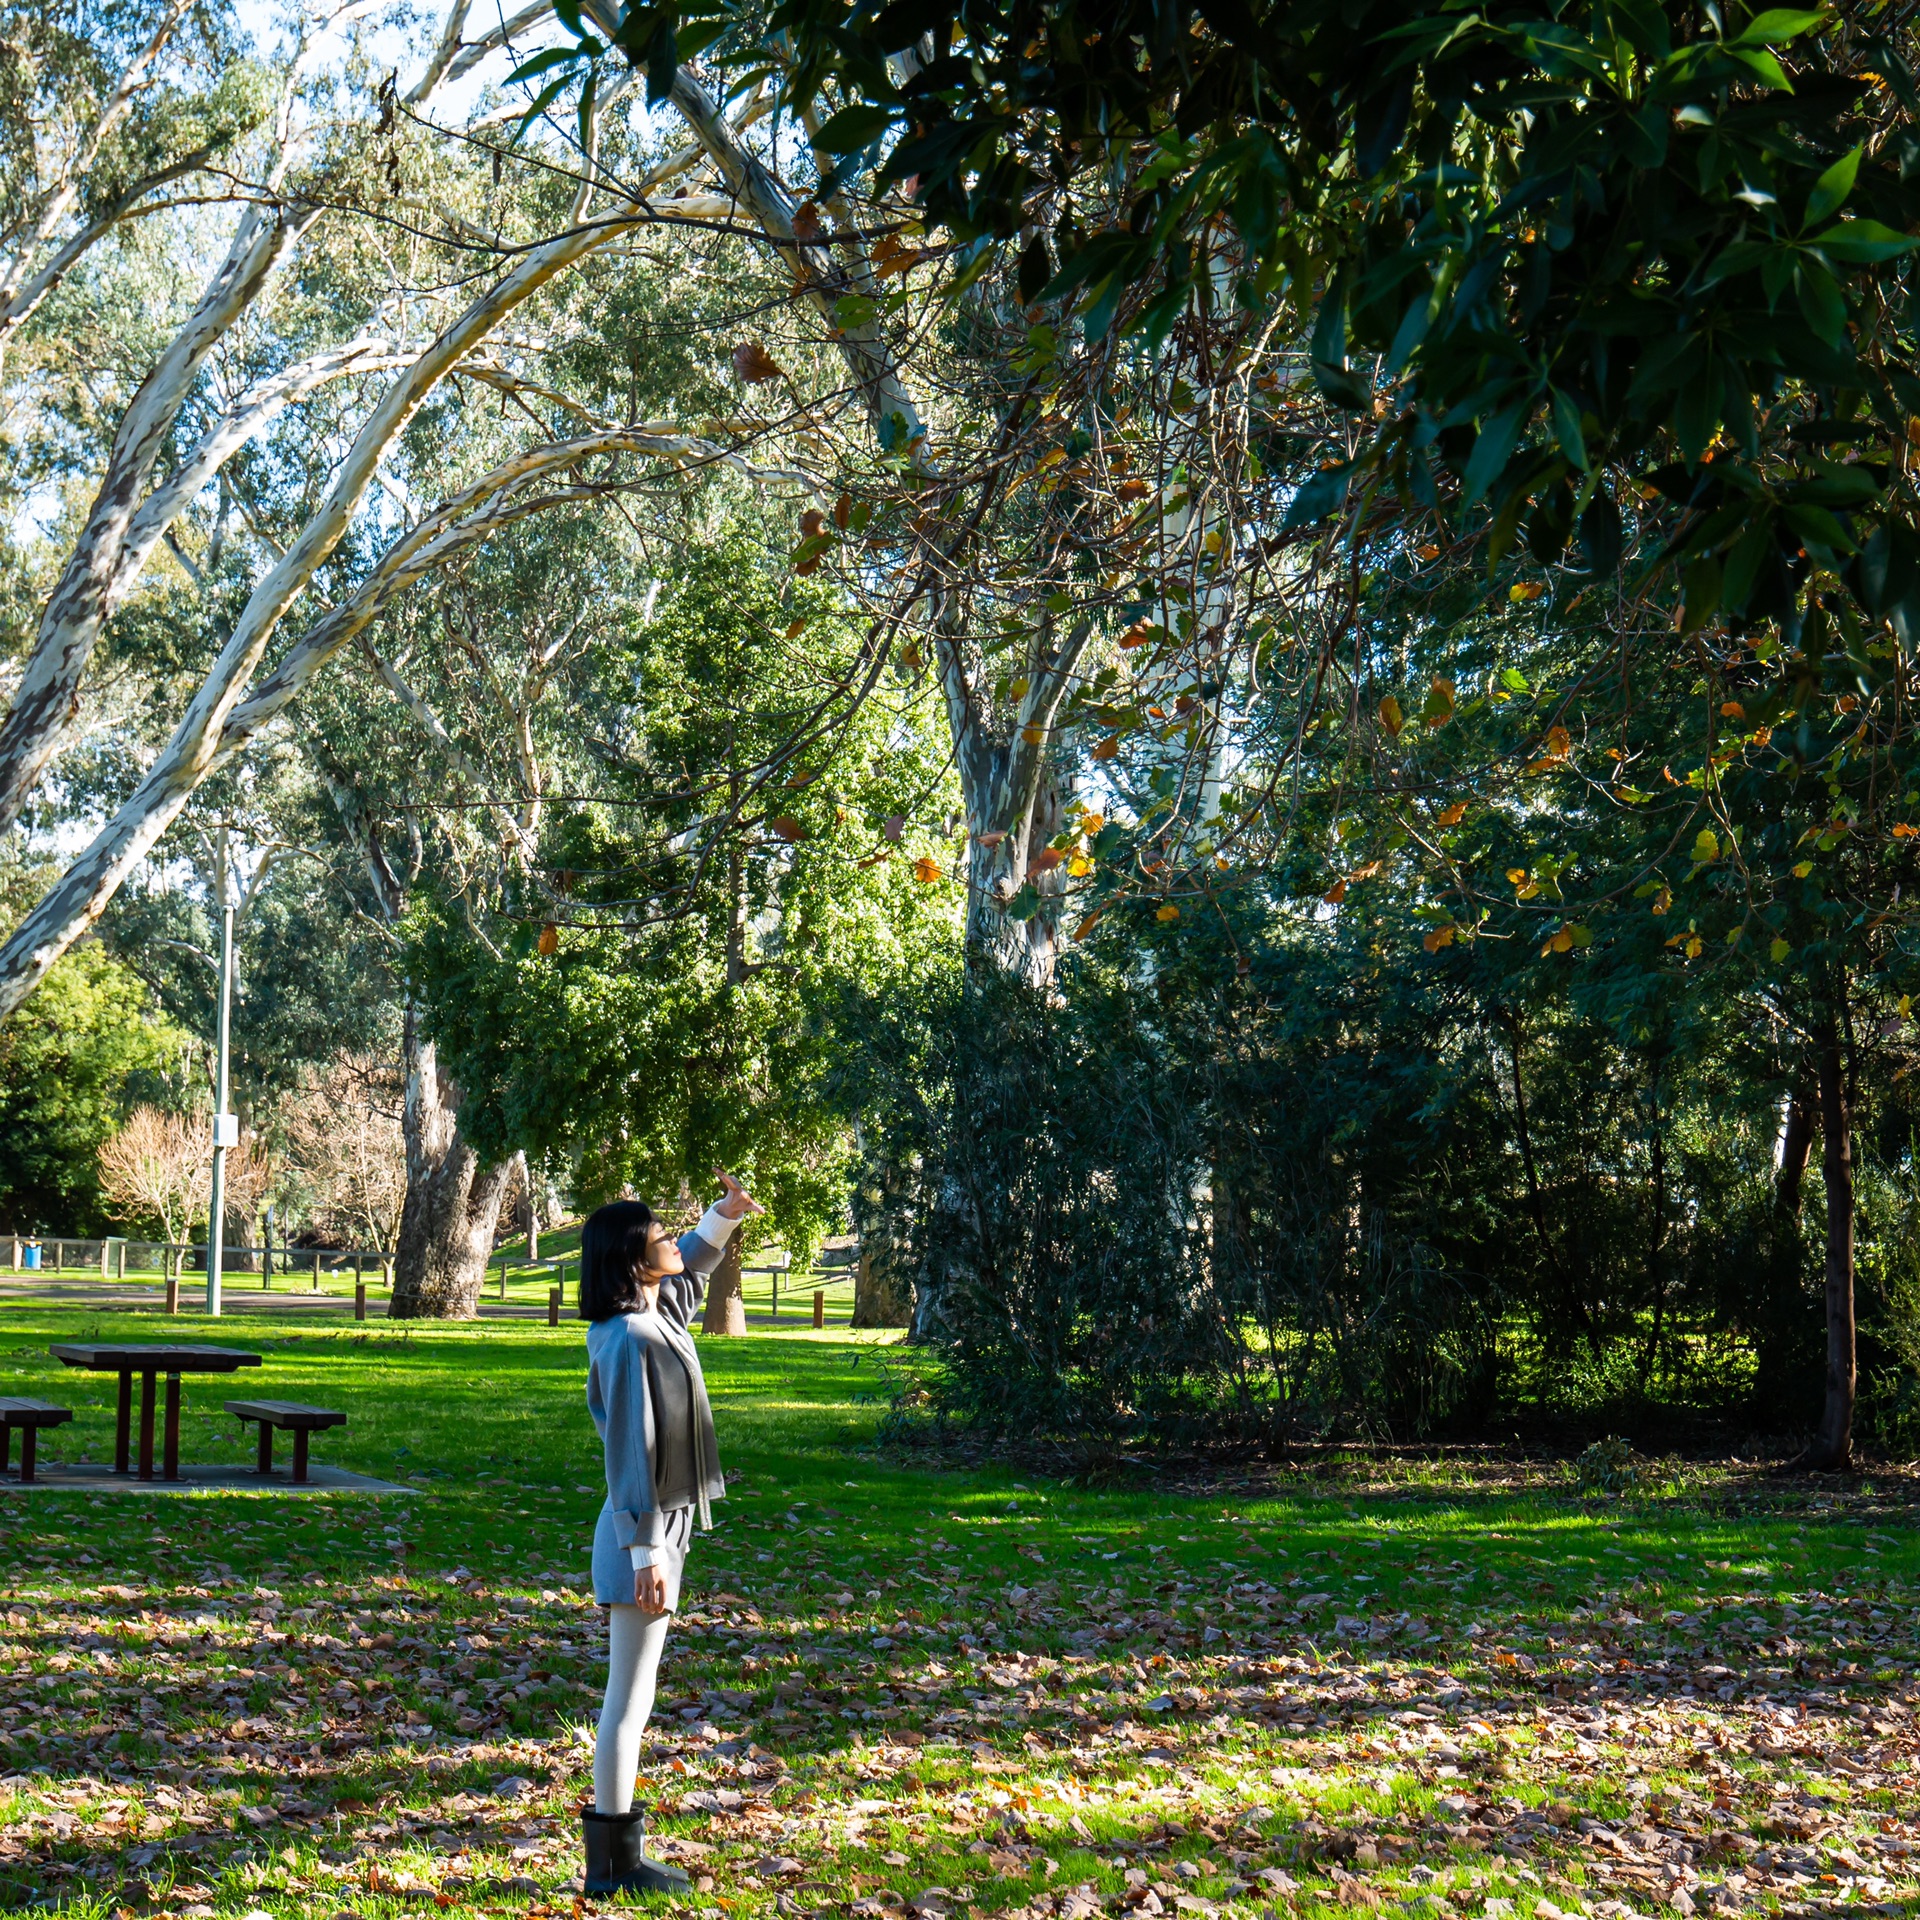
(613, 1564)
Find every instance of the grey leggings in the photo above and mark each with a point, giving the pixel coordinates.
(634, 1643)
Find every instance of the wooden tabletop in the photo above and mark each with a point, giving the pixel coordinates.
(103, 1356)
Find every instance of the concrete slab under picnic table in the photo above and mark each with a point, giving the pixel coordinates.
(64, 1476)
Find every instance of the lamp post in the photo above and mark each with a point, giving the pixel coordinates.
(226, 1126)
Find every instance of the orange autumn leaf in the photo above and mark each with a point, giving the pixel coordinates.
(1107, 748)
(788, 828)
(892, 255)
(1168, 912)
(1391, 717)
(1335, 893)
(1902, 831)
(1045, 860)
(1438, 938)
(549, 941)
(1453, 815)
(926, 870)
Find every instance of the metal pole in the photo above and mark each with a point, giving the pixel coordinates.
(225, 1127)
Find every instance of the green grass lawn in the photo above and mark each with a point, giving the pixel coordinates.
(896, 1687)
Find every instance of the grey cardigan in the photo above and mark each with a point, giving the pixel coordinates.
(621, 1399)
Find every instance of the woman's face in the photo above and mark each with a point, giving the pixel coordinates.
(662, 1256)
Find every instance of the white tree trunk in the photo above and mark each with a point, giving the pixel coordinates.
(204, 739)
(97, 573)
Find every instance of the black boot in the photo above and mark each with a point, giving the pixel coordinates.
(615, 1861)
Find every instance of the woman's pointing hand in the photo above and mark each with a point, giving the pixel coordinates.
(736, 1201)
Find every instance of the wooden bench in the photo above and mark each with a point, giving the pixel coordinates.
(289, 1417)
(29, 1416)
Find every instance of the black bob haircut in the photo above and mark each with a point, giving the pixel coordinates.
(613, 1248)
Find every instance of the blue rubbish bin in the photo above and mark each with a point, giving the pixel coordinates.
(30, 1255)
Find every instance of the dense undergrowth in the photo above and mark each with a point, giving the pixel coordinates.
(1261, 1186)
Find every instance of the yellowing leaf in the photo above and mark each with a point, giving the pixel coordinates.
(1524, 590)
(1438, 938)
(1168, 912)
(1518, 875)
(1391, 717)
(1694, 948)
(926, 870)
(1033, 735)
(1087, 925)
(1779, 950)
(549, 941)
(1079, 866)
(1732, 710)
(1802, 868)
(1559, 742)
(1562, 942)
(1091, 823)
(1903, 831)
(1453, 815)
(1663, 900)
(1706, 846)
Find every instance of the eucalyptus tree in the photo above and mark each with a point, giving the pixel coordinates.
(318, 271)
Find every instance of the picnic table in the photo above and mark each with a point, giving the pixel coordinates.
(149, 1362)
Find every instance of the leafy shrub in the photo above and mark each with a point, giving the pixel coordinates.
(1609, 1466)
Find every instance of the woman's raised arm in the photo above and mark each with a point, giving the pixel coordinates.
(702, 1249)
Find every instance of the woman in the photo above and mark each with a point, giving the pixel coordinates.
(649, 1401)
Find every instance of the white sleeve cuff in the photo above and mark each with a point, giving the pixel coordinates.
(644, 1557)
(715, 1228)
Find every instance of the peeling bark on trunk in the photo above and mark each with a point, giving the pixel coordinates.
(1027, 949)
(1832, 1448)
(879, 1298)
(453, 1201)
(726, 1296)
